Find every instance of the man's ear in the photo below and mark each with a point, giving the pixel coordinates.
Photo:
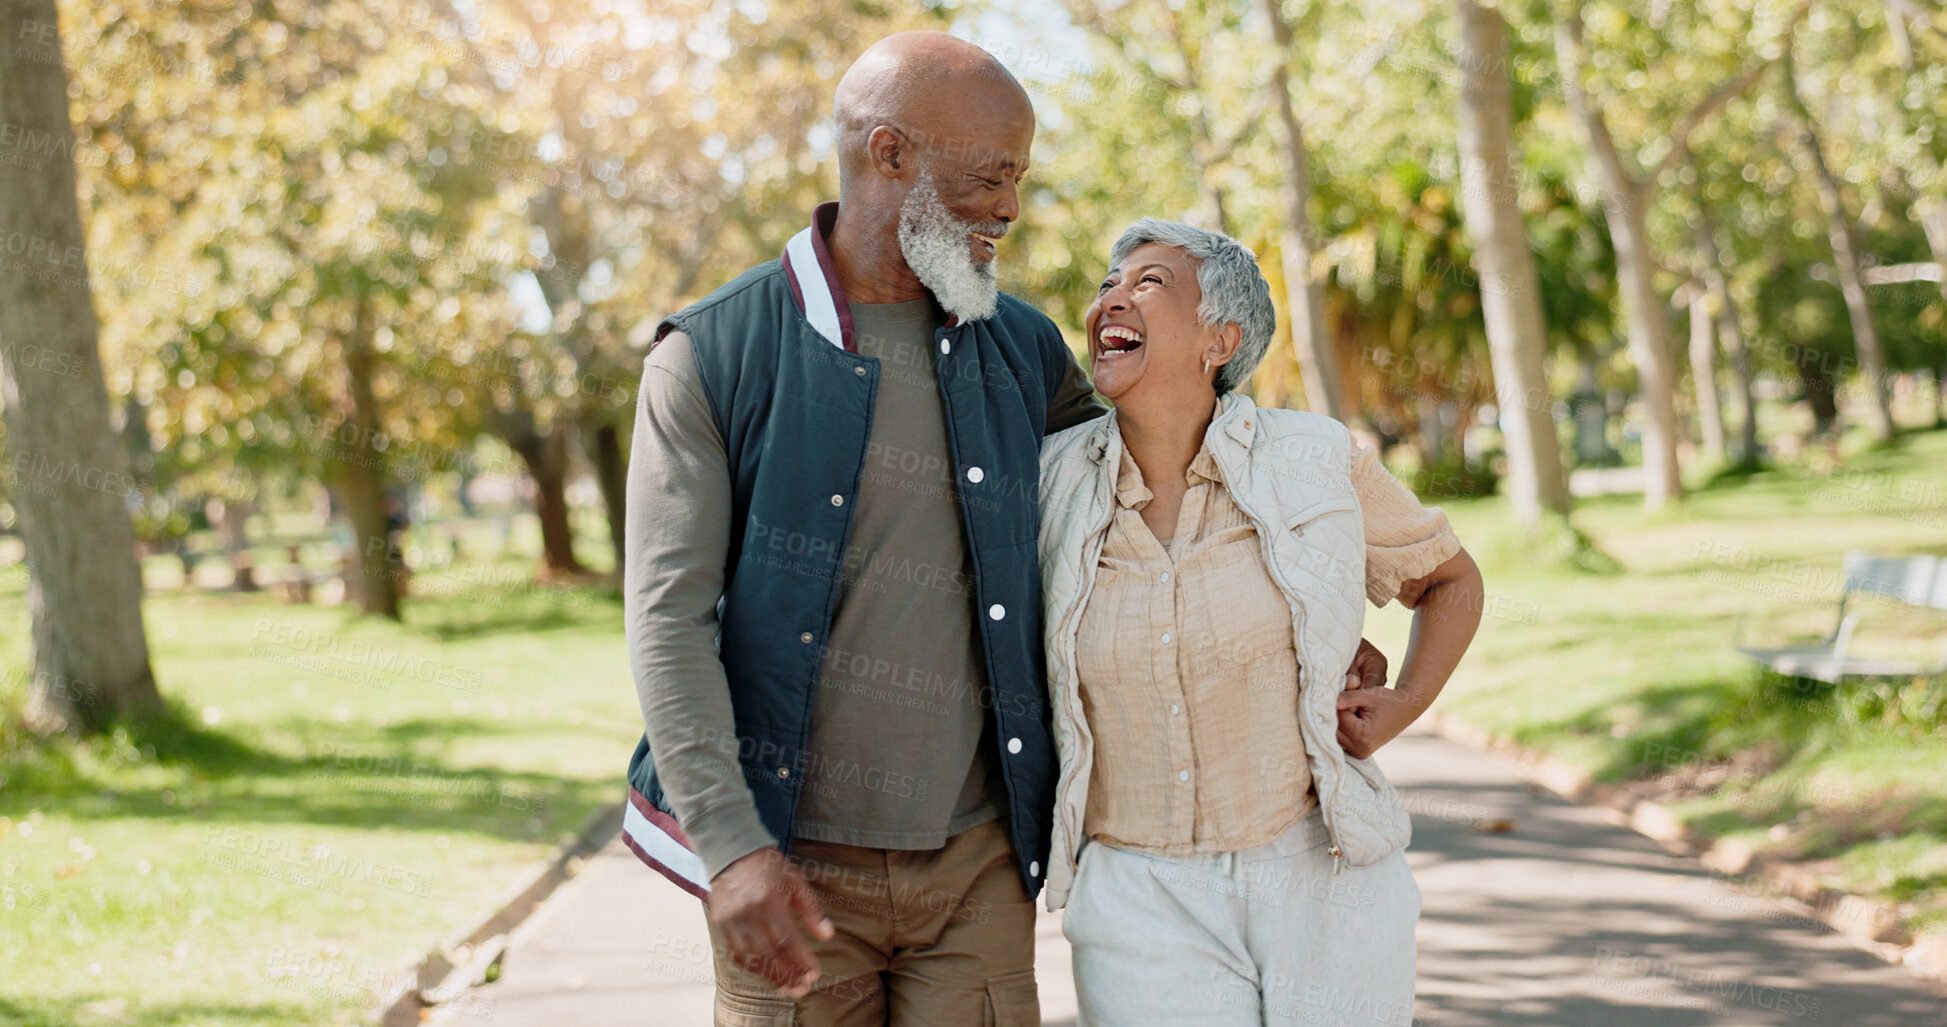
(888, 151)
(1224, 347)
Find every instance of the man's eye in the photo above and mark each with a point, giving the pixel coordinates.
(991, 183)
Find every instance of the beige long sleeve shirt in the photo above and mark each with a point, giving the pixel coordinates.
(1189, 669)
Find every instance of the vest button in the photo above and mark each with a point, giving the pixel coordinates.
(1014, 745)
(975, 474)
(784, 771)
(805, 638)
(1034, 869)
(996, 611)
(859, 370)
(838, 500)
(945, 347)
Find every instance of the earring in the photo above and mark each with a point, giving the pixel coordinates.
(1206, 365)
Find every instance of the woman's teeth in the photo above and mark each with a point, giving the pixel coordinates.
(1117, 340)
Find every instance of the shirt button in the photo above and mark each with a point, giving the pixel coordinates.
(838, 500)
(1014, 745)
(996, 611)
(805, 638)
(859, 370)
(1166, 575)
(974, 474)
(1182, 775)
(945, 347)
(1166, 638)
(1034, 869)
(1175, 709)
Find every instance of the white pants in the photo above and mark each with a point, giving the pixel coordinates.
(1268, 935)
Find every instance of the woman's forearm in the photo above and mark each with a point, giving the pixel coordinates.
(1444, 621)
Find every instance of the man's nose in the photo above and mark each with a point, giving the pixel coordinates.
(1009, 207)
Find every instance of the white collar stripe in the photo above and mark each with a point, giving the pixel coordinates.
(801, 261)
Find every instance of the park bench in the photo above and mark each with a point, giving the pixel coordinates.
(1918, 583)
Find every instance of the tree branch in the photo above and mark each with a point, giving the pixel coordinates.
(1905, 14)
(1723, 94)
(1571, 52)
(1680, 138)
(1896, 274)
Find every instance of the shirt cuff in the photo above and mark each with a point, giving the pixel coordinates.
(1404, 564)
(726, 835)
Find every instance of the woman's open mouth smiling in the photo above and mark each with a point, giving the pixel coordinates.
(1118, 341)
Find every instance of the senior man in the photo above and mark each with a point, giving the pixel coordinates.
(832, 592)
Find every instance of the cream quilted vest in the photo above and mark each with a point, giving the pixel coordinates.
(1290, 473)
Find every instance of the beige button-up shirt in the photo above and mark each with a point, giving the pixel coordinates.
(1188, 666)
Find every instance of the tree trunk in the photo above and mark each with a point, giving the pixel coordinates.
(546, 458)
(603, 444)
(1625, 208)
(1510, 290)
(1845, 260)
(1649, 347)
(1649, 341)
(358, 471)
(1821, 391)
(1731, 333)
(1940, 394)
(1931, 212)
(71, 485)
(1304, 298)
(235, 523)
(1703, 372)
(1431, 435)
(564, 220)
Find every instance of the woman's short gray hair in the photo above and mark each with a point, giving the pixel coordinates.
(1234, 290)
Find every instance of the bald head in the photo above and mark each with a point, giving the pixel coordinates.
(945, 96)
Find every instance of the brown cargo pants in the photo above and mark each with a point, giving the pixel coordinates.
(934, 938)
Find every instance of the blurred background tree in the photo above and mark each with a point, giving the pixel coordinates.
(367, 259)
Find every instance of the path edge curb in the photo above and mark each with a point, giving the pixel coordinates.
(403, 1004)
(1872, 925)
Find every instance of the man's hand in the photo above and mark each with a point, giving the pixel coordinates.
(1368, 668)
(759, 902)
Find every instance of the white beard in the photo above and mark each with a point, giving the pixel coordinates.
(936, 246)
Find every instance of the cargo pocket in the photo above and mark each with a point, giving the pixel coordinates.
(1013, 1001)
(748, 1011)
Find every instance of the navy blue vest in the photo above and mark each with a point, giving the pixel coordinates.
(795, 414)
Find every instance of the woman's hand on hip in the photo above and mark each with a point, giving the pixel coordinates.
(1371, 717)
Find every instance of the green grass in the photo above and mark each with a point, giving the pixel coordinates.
(332, 798)
(1632, 675)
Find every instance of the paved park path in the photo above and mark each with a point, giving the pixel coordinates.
(1563, 920)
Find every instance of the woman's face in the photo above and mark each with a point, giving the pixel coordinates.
(1143, 335)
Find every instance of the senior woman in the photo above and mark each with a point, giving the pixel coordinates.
(1204, 563)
